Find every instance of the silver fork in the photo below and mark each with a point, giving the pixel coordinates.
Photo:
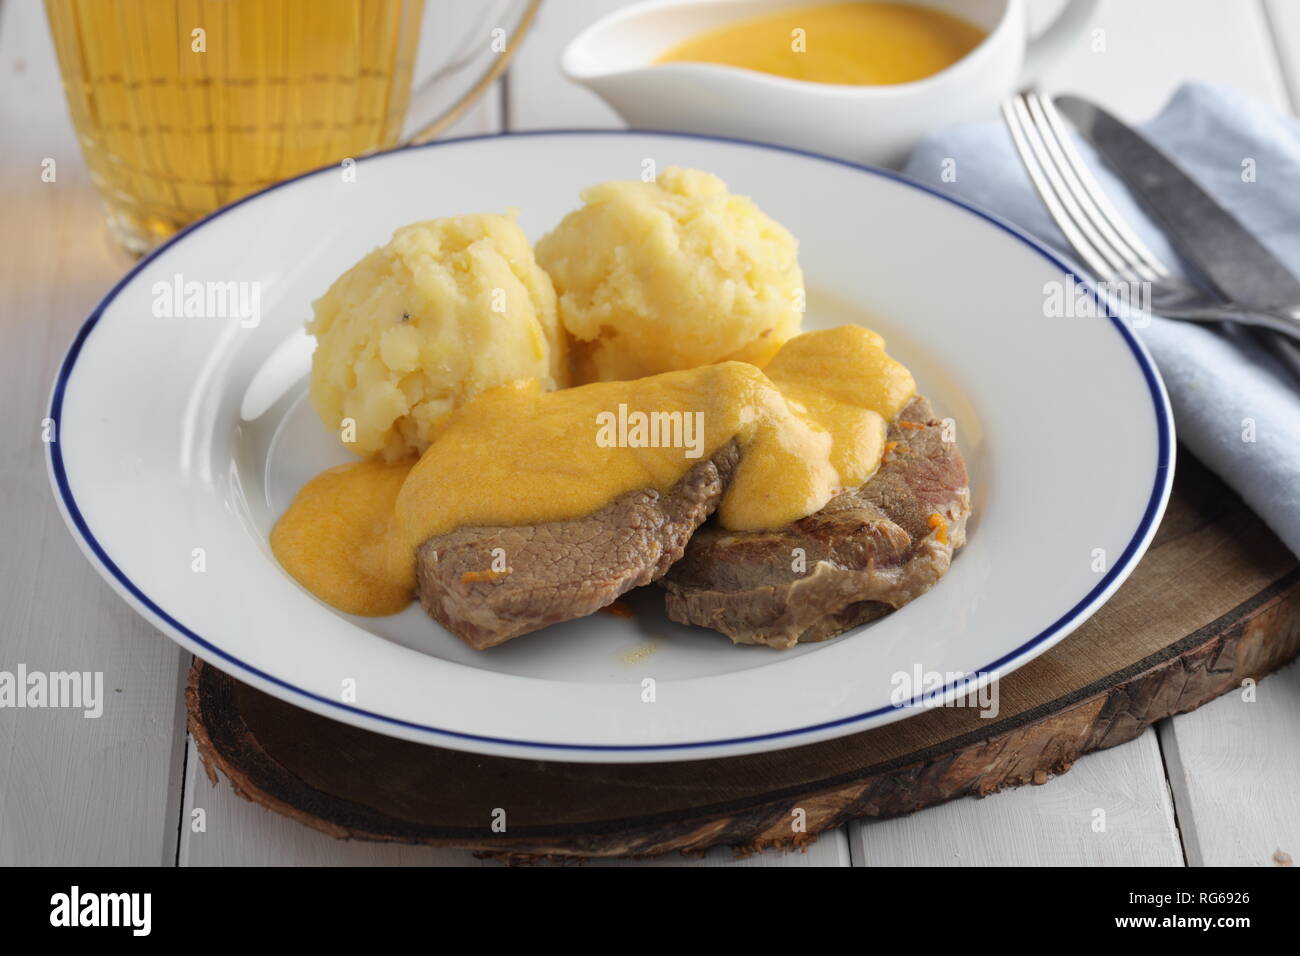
(1104, 240)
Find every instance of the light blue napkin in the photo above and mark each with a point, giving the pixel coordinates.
(1216, 380)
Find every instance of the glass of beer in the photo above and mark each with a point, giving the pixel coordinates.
(182, 106)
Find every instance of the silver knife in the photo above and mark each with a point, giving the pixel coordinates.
(1236, 264)
(1239, 267)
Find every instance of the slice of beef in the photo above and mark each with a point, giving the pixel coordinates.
(565, 569)
(867, 552)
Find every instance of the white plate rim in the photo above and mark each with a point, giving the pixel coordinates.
(148, 608)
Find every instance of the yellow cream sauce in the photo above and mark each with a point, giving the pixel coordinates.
(810, 424)
(847, 43)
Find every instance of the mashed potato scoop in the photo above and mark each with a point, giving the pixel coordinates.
(446, 309)
(673, 274)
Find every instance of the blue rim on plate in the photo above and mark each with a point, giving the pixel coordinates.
(1160, 483)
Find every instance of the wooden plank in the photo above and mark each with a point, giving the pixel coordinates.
(1224, 816)
(72, 790)
(539, 97)
(1234, 767)
(1149, 49)
(1284, 20)
(1198, 743)
(1122, 789)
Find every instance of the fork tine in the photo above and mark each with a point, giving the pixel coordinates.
(1088, 193)
(1078, 233)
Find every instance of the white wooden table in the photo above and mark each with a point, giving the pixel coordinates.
(1218, 786)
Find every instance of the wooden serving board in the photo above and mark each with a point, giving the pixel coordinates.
(1215, 601)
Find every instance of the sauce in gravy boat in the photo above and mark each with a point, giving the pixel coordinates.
(616, 58)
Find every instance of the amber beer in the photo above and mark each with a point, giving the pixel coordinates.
(182, 106)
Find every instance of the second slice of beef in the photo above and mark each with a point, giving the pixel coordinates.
(563, 570)
(868, 551)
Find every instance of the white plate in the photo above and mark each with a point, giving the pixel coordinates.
(179, 434)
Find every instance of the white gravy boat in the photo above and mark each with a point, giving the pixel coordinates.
(875, 124)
